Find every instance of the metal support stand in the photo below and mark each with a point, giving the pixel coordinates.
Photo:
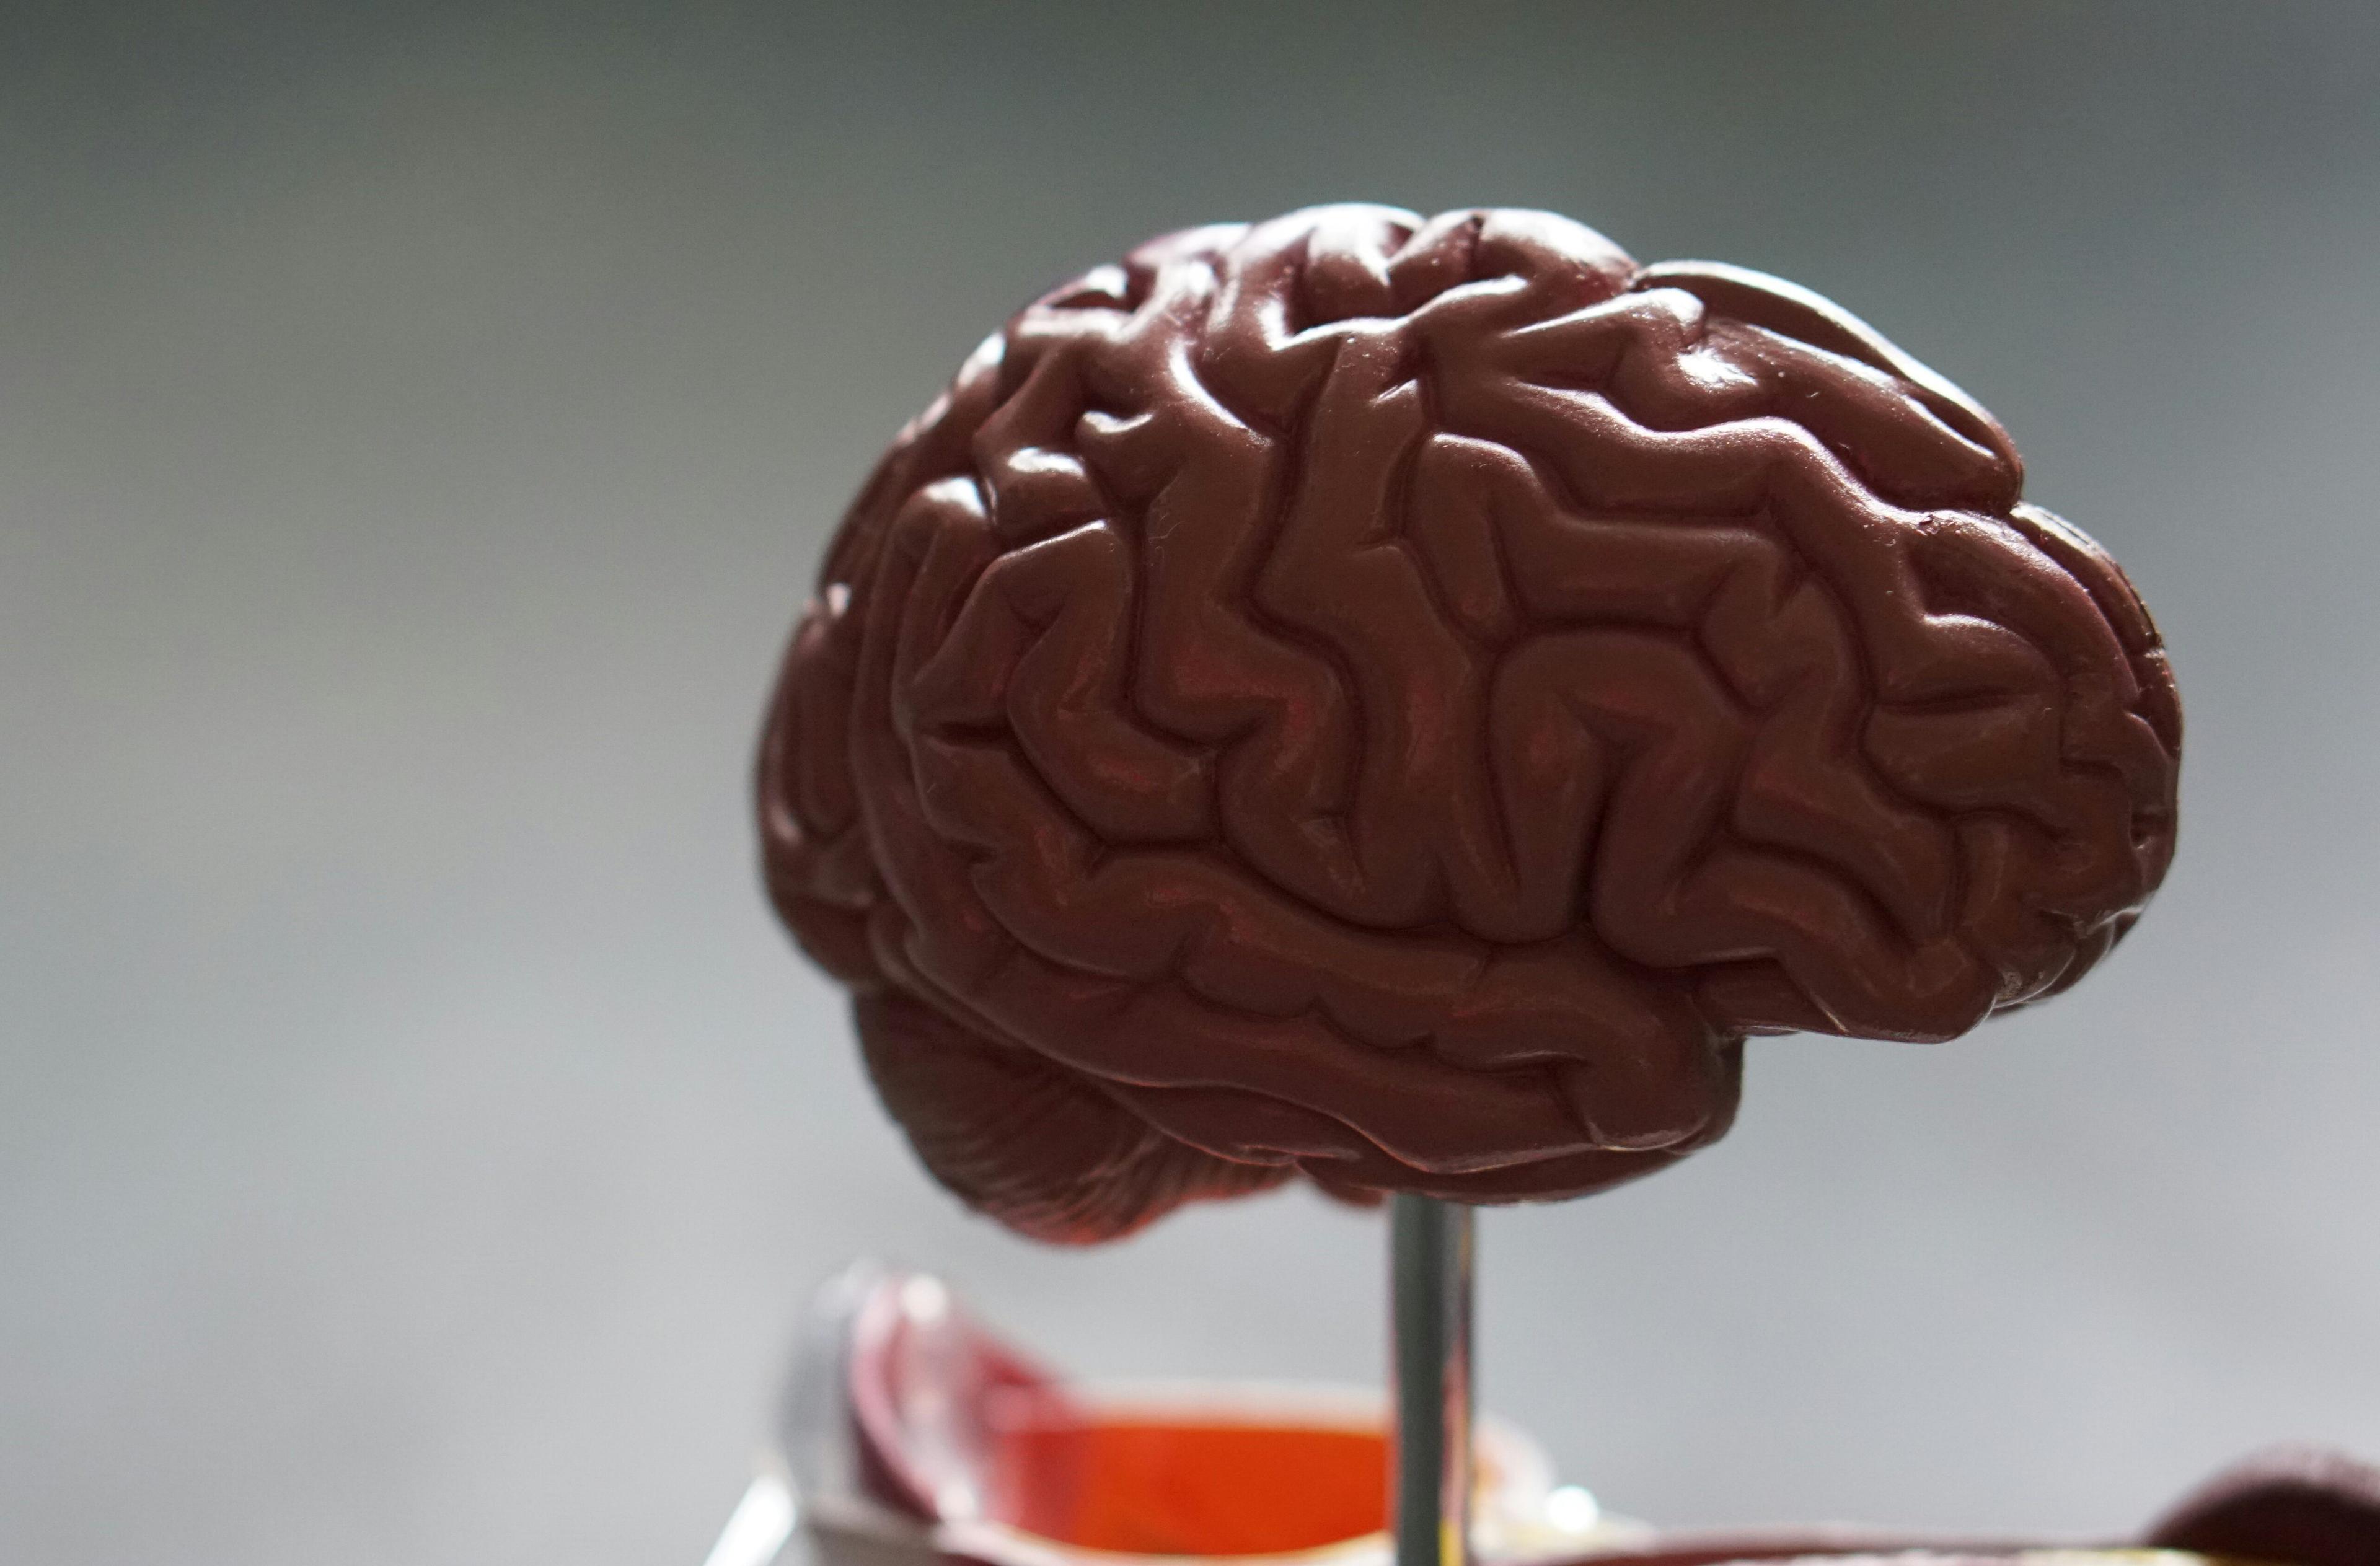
(1430, 1271)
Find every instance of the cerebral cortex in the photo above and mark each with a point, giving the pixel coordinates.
(1400, 701)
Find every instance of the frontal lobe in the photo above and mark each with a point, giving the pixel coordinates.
(1402, 700)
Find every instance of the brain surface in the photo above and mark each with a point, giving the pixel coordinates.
(1402, 700)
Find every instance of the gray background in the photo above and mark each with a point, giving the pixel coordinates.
(415, 429)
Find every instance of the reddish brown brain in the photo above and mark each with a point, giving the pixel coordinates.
(1402, 700)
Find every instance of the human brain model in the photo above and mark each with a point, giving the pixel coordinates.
(1400, 700)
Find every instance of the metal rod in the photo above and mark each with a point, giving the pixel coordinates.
(1429, 1276)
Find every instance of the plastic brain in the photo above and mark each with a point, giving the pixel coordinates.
(1402, 700)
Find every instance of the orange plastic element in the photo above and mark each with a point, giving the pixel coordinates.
(1167, 1487)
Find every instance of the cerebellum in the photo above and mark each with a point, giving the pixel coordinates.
(1402, 701)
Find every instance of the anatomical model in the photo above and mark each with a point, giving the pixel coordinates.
(1399, 702)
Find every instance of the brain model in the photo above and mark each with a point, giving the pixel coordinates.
(1400, 700)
